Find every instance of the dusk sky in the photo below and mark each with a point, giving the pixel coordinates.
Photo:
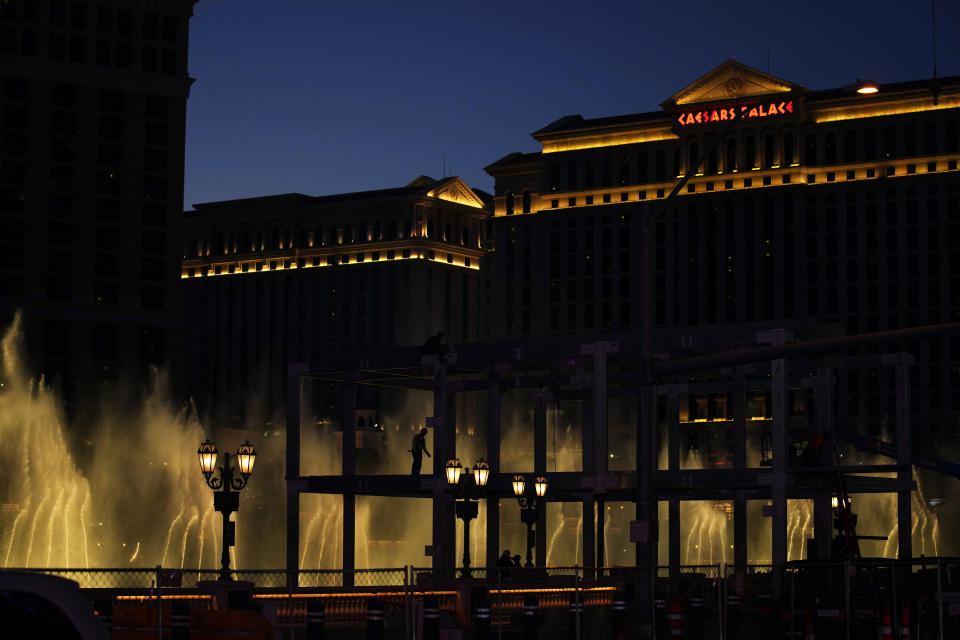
(323, 97)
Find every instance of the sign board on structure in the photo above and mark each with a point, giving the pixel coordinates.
(639, 531)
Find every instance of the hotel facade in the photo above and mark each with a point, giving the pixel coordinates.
(834, 208)
(93, 98)
(294, 278)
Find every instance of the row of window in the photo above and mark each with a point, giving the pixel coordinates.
(78, 16)
(739, 154)
(277, 238)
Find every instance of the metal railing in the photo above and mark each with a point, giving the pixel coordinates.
(845, 600)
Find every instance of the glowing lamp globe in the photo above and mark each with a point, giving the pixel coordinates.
(208, 456)
(246, 456)
(540, 485)
(519, 484)
(481, 472)
(453, 469)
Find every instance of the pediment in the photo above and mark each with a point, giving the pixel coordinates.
(730, 81)
(456, 190)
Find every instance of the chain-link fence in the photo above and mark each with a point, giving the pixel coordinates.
(841, 600)
(844, 600)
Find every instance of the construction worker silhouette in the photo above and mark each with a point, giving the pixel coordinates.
(418, 448)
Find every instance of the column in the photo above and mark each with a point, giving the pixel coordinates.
(823, 422)
(493, 459)
(673, 464)
(444, 448)
(904, 458)
(292, 474)
(778, 384)
(740, 462)
(540, 468)
(349, 470)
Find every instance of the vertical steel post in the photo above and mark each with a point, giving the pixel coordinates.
(159, 604)
(740, 462)
(846, 597)
(540, 468)
(349, 471)
(904, 456)
(822, 509)
(294, 382)
(939, 599)
(493, 459)
(778, 383)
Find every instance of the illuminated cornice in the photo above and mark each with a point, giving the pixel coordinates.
(593, 139)
(339, 255)
(876, 107)
(752, 179)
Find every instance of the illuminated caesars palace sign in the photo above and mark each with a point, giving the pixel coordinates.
(742, 112)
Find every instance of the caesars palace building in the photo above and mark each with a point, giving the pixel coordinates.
(825, 213)
(836, 209)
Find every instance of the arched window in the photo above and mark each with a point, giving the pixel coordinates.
(787, 149)
(625, 170)
(509, 199)
(730, 165)
(890, 141)
(750, 153)
(693, 157)
(606, 172)
(660, 166)
(465, 236)
(275, 238)
(810, 150)
(447, 233)
(333, 237)
(393, 230)
(712, 166)
(376, 231)
(642, 173)
(830, 148)
(910, 140)
(303, 239)
(218, 248)
(677, 159)
(430, 228)
(407, 228)
(769, 150)
(363, 237)
(526, 202)
(850, 146)
(869, 144)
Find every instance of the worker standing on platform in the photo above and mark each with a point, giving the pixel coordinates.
(418, 448)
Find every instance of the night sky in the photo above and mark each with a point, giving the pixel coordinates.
(320, 97)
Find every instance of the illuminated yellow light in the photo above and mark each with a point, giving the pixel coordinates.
(868, 88)
(876, 110)
(352, 594)
(609, 140)
(146, 598)
(555, 590)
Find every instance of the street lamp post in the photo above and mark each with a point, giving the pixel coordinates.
(468, 488)
(226, 488)
(529, 498)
